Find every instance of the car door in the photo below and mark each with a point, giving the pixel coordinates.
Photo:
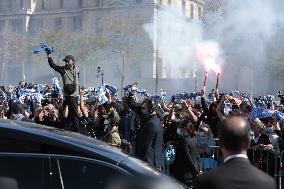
(18, 171)
(28, 164)
(79, 172)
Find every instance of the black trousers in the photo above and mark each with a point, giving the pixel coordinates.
(71, 123)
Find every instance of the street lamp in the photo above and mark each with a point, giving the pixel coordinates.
(157, 46)
(100, 73)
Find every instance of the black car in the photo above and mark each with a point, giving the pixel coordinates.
(34, 156)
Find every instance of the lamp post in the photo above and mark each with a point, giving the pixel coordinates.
(250, 81)
(156, 50)
(100, 73)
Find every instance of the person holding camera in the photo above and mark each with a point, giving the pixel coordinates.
(70, 77)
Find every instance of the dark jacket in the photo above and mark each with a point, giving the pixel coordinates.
(187, 158)
(150, 143)
(68, 76)
(130, 124)
(235, 173)
(209, 118)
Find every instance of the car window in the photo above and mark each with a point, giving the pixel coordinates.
(21, 146)
(22, 172)
(43, 171)
(83, 174)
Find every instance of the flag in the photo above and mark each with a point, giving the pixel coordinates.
(279, 115)
(112, 89)
(265, 113)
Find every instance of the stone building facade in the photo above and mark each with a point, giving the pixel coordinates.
(28, 17)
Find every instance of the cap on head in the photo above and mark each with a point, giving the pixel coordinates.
(69, 57)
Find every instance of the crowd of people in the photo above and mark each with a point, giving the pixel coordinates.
(145, 125)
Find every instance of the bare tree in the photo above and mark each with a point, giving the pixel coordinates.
(60, 40)
(82, 45)
(8, 50)
(86, 44)
(23, 50)
(120, 32)
(276, 58)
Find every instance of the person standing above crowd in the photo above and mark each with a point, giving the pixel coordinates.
(70, 77)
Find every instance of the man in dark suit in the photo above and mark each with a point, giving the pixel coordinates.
(150, 143)
(236, 172)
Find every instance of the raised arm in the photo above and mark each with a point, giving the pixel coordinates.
(220, 107)
(189, 111)
(57, 68)
(203, 102)
(82, 106)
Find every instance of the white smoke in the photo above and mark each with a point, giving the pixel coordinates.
(181, 43)
(239, 32)
(244, 26)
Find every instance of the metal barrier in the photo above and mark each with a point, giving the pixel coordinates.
(265, 159)
(280, 170)
(211, 158)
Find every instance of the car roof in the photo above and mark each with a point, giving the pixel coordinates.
(89, 145)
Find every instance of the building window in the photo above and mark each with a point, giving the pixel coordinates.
(138, 1)
(98, 19)
(9, 4)
(191, 11)
(61, 4)
(44, 4)
(97, 3)
(58, 24)
(5, 4)
(2, 25)
(199, 12)
(18, 3)
(76, 23)
(16, 25)
(35, 26)
(183, 7)
(99, 30)
(80, 3)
